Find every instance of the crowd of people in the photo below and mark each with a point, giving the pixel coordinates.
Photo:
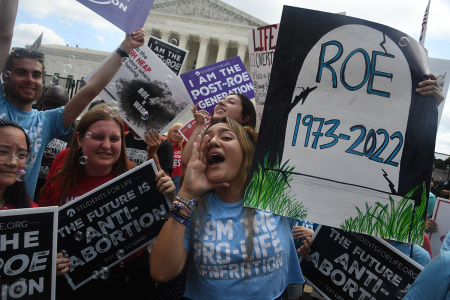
(211, 246)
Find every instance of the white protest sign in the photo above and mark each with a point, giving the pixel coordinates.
(146, 93)
(441, 217)
(344, 139)
(28, 253)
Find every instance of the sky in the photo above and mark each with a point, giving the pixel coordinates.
(67, 22)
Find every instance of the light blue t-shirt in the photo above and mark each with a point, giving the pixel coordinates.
(40, 126)
(434, 280)
(419, 255)
(219, 271)
(431, 204)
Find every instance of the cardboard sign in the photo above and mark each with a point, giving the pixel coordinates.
(28, 253)
(146, 93)
(208, 85)
(127, 15)
(441, 217)
(262, 43)
(348, 265)
(441, 69)
(170, 54)
(103, 227)
(344, 136)
(187, 130)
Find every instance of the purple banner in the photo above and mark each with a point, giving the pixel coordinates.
(208, 85)
(128, 15)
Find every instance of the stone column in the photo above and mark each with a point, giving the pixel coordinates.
(182, 43)
(221, 53)
(184, 38)
(201, 57)
(165, 35)
(242, 48)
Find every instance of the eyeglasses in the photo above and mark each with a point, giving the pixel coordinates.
(22, 52)
(21, 156)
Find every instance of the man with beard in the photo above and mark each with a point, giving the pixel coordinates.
(22, 82)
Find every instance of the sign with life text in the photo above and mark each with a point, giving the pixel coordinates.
(349, 265)
(127, 15)
(344, 137)
(187, 130)
(262, 42)
(28, 253)
(103, 227)
(208, 85)
(441, 217)
(169, 53)
(146, 93)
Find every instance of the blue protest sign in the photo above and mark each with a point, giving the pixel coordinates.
(127, 15)
(208, 85)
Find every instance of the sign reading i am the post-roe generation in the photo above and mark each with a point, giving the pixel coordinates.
(208, 85)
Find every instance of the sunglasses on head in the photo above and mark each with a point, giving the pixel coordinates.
(22, 52)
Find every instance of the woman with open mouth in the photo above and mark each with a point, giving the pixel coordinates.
(231, 251)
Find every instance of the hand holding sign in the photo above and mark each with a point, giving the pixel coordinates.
(430, 88)
(135, 40)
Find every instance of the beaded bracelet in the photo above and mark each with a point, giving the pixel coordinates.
(190, 204)
(182, 206)
(181, 220)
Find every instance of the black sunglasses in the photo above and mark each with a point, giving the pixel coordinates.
(22, 52)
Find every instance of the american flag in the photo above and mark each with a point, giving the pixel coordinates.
(424, 25)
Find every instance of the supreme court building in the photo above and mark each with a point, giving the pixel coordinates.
(209, 29)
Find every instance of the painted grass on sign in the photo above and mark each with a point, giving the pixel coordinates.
(402, 222)
(269, 190)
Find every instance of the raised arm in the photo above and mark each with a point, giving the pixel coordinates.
(8, 12)
(101, 78)
(200, 120)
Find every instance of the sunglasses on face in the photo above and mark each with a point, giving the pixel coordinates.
(22, 52)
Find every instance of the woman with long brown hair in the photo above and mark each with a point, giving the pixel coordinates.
(97, 155)
(231, 251)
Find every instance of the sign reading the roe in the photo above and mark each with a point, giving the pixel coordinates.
(210, 84)
(345, 127)
(28, 253)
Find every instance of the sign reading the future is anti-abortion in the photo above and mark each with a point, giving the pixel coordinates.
(344, 139)
(28, 253)
(146, 93)
(349, 265)
(210, 84)
(103, 227)
(170, 54)
(127, 15)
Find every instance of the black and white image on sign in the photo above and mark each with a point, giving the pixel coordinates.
(145, 93)
(108, 224)
(28, 253)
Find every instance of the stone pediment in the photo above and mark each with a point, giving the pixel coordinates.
(206, 9)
